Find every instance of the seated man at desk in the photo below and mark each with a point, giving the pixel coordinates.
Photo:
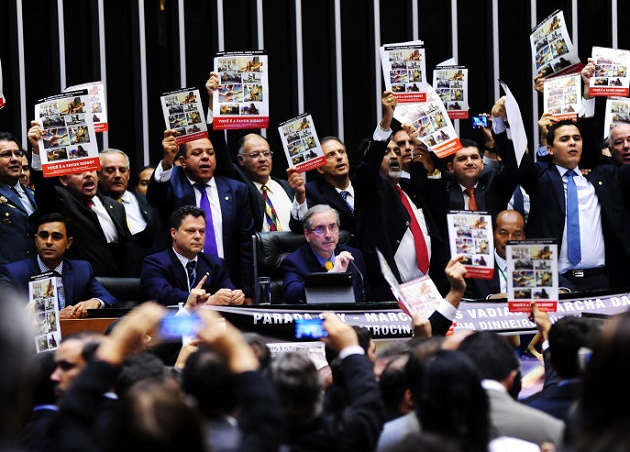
(170, 275)
(322, 253)
(77, 289)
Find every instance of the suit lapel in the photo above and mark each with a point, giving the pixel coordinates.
(227, 207)
(179, 273)
(558, 187)
(14, 199)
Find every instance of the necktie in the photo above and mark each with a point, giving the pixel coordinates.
(519, 201)
(344, 195)
(421, 245)
(61, 296)
(90, 204)
(210, 246)
(472, 202)
(190, 270)
(328, 265)
(270, 212)
(573, 221)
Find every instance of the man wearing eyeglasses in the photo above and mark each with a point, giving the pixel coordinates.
(113, 181)
(271, 198)
(509, 225)
(16, 204)
(322, 253)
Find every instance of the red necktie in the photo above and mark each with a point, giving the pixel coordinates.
(421, 244)
(472, 202)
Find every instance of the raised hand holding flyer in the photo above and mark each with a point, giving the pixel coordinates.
(552, 51)
(96, 105)
(532, 274)
(404, 70)
(451, 84)
(242, 100)
(470, 234)
(300, 143)
(68, 144)
(435, 128)
(563, 96)
(611, 72)
(183, 112)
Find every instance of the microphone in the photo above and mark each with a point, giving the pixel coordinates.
(362, 281)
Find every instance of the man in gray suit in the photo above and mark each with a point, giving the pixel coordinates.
(500, 370)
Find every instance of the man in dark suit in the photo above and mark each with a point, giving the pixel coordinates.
(334, 188)
(509, 225)
(593, 246)
(141, 217)
(170, 276)
(383, 218)
(255, 162)
(101, 234)
(225, 200)
(322, 253)
(77, 288)
(16, 203)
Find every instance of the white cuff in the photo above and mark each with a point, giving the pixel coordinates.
(351, 350)
(162, 175)
(380, 134)
(36, 161)
(447, 310)
(587, 108)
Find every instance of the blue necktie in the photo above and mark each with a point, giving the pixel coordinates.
(519, 201)
(190, 269)
(210, 246)
(573, 221)
(344, 195)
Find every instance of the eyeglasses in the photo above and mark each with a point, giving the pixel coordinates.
(255, 155)
(319, 230)
(7, 154)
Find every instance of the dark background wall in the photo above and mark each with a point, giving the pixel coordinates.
(140, 135)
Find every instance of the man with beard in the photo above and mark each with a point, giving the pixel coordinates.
(392, 218)
(101, 232)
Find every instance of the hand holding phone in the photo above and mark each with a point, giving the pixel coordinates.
(479, 121)
(310, 329)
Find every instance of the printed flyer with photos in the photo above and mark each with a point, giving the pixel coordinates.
(470, 234)
(451, 84)
(68, 144)
(97, 103)
(242, 100)
(611, 72)
(183, 112)
(435, 128)
(617, 110)
(300, 143)
(404, 70)
(42, 290)
(552, 51)
(563, 96)
(532, 271)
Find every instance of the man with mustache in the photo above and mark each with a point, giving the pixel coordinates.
(392, 218)
(101, 233)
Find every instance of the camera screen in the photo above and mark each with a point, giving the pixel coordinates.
(479, 121)
(309, 329)
(172, 327)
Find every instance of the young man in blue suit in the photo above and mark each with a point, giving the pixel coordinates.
(170, 276)
(230, 226)
(81, 291)
(322, 253)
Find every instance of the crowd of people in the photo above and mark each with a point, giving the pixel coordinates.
(185, 232)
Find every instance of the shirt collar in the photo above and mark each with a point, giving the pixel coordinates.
(43, 268)
(562, 170)
(182, 259)
(323, 261)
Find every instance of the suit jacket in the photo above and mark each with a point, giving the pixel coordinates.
(321, 192)
(141, 243)
(511, 418)
(382, 220)
(557, 400)
(302, 261)
(78, 279)
(107, 259)
(164, 279)
(17, 232)
(548, 208)
(479, 289)
(238, 223)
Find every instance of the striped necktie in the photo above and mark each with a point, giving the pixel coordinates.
(270, 213)
(344, 194)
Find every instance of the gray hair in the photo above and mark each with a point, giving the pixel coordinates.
(319, 208)
(114, 151)
(242, 141)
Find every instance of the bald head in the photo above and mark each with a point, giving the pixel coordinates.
(509, 225)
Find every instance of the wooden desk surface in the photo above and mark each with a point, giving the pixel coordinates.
(69, 326)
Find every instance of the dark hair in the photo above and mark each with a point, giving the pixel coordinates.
(422, 350)
(182, 212)
(208, 378)
(331, 138)
(491, 353)
(43, 386)
(262, 352)
(136, 367)
(393, 382)
(466, 143)
(566, 337)
(53, 217)
(454, 404)
(298, 385)
(551, 133)
(7, 136)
